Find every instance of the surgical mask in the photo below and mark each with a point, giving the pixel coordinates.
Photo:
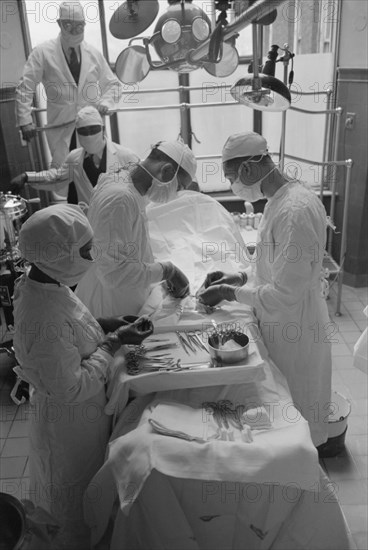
(92, 144)
(250, 193)
(71, 40)
(77, 269)
(160, 191)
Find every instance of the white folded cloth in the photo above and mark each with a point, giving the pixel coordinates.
(257, 418)
(197, 424)
(177, 420)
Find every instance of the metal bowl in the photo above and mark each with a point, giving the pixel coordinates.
(228, 357)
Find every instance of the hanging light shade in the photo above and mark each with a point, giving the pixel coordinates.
(263, 93)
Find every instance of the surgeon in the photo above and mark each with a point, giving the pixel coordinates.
(286, 294)
(74, 74)
(96, 155)
(122, 277)
(65, 356)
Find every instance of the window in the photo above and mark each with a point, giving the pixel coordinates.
(327, 24)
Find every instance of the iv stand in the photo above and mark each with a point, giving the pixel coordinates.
(285, 59)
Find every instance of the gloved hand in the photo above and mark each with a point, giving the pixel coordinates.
(177, 282)
(103, 109)
(136, 332)
(28, 131)
(17, 183)
(213, 295)
(221, 278)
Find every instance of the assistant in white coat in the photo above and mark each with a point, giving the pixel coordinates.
(83, 165)
(286, 294)
(65, 356)
(50, 64)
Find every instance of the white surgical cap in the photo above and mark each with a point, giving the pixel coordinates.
(181, 154)
(88, 116)
(246, 144)
(51, 239)
(71, 11)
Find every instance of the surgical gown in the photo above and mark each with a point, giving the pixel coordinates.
(293, 316)
(120, 280)
(55, 342)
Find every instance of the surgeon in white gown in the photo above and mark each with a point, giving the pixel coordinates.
(125, 270)
(65, 356)
(284, 288)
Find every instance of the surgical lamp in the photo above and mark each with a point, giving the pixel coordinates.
(262, 91)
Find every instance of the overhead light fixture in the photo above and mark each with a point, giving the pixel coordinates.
(262, 91)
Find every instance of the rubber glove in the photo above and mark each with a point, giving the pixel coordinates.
(28, 131)
(177, 282)
(221, 278)
(111, 324)
(213, 295)
(136, 332)
(18, 182)
(103, 109)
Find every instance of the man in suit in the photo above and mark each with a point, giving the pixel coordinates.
(97, 155)
(74, 75)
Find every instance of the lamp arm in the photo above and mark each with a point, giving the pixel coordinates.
(254, 12)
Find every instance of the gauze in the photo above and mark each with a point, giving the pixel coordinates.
(51, 239)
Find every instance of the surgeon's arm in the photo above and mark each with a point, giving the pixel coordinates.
(116, 235)
(54, 179)
(32, 76)
(110, 86)
(293, 261)
(64, 374)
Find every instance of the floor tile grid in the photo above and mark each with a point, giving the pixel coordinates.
(348, 471)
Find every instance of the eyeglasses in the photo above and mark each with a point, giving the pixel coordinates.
(69, 26)
(89, 130)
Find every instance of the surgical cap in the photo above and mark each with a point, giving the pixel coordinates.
(51, 239)
(71, 11)
(246, 144)
(88, 116)
(181, 154)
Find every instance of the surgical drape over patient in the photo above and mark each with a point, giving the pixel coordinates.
(51, 239)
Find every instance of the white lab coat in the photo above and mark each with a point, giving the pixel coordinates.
(47, 64)
(55, 343)
(119, 281)
(55, 179)
(292, 314)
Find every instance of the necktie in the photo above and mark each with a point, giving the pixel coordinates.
(74, 65)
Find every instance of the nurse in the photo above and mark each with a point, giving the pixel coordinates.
(96, 155)
(286, 294)
(121, 279)
(65, 356)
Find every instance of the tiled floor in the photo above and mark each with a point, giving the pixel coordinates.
(349, 470)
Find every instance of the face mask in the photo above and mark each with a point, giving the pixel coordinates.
(92, 144)
(250, 193)
(78, 268)
(67, 270)
(71, 40)
(161, 191)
